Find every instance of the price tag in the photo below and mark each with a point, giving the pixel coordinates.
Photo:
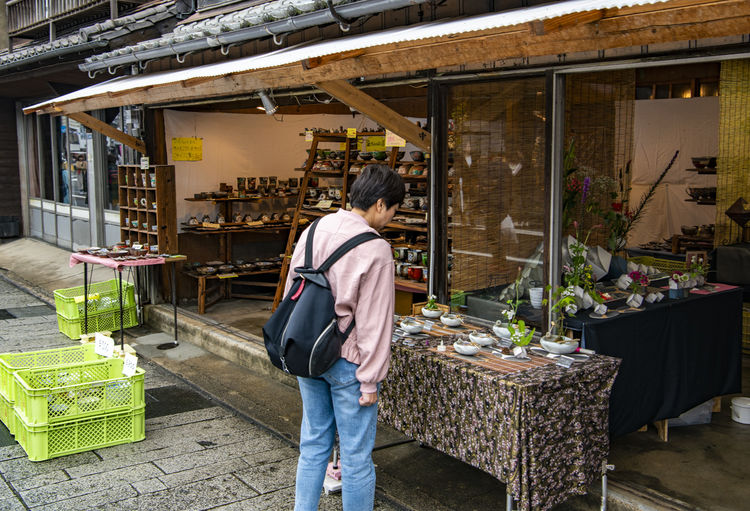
(308, 136)
(504, 343)
(227, 275)
(103, 345)
(428, 325)
(393, 140)
(144, 162)
(129, 365)
(351, 132)
(565, 362)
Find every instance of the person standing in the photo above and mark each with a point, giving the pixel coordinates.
(344, 398)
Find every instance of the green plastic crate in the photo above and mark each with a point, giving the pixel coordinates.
(6, 414)
(103, 297)
(55, 394)
(104, 321)
(12, 362)
(54, 440)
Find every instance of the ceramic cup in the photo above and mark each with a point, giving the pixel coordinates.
(535, 297)
(400, 253)
(624, 281)
(415, 272)
(634, 300)
(145, 225)
(143, 201)
(413, 256)
(153, 205)
(600, 309)
(153, 228)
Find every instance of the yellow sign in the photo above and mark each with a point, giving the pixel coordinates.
(393, 140)
(351, 132)
(376, 143)
(308, 136)
(187, 149)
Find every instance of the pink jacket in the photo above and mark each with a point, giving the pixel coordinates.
(362, 282)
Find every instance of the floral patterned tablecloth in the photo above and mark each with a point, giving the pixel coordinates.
(544, 431)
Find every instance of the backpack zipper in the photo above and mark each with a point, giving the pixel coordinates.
(283, 333)
(317, 341)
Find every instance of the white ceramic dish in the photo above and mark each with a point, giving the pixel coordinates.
(411, 327)
(501, 330)
(431, 313)
(450, 319)
(482, 339)
(559, 348)
(466, 349)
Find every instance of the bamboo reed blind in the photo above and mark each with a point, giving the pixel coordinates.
(733, 163)
(496, 184)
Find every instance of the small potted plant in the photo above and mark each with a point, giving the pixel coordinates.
(697, 270)
(638, 283)
(678, 285)
(431, 309)
(520, 334)
(509, 314)
(562, 303)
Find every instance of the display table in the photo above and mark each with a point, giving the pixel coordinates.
(118, 266)
(675, 354)
(541, 430)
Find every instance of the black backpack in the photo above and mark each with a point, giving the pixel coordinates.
(302, 336)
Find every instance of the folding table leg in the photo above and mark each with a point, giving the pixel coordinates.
(85, 298)
(173, 344)
(122, 325)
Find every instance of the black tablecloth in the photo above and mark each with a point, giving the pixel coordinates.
(675, 355)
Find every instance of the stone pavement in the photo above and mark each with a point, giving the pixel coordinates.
(196, 455)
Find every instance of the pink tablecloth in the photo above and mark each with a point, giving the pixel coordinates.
(76, 258)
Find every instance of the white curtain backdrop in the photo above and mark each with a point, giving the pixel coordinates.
(662, 127)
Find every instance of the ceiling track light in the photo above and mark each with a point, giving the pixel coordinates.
(269, 105)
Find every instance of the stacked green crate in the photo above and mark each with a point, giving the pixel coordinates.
(10, 363)
(78, 407)
(103, 306)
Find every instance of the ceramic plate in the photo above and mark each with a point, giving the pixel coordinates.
(609, 314)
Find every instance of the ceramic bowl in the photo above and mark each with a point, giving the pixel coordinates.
(378, 155)
(431, 313)
(501, 329)
(410, 326)
(565, 345)
(465, 349)
(701, 162)
(450, 319)
(481, 338)
(365, 155)
(417, 155)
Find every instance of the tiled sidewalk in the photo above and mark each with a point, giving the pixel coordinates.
(203, 457)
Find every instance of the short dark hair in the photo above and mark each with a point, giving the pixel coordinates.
(377, 182)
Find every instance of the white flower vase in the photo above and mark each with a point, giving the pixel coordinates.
(700, 280)
(659, 296)
(587, 301)
(691, 283)
(634, 300)
(652, 298)
(578, 291)
(600, 309)
(623, 282)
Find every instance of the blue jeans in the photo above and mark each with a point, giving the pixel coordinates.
(329, 403)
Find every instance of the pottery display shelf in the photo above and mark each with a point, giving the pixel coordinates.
(209, 295)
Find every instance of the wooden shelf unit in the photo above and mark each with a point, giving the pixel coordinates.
(147, 206)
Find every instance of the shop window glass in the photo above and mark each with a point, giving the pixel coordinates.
(643, 92)
(81, 158)
(709, 89)
(682, 90)
(661, 91)
(497, 193)
(45, 156)
(32, 156)
(60, 126)
(115, 156)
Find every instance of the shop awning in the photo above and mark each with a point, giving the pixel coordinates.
(564, 27)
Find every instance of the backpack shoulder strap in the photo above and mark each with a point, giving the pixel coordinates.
(309, 244)
(346, 247)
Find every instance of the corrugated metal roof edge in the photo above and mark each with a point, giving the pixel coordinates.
(291, 55)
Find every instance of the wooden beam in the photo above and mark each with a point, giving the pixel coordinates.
(542, 27)
(109, 131)
(377, 111)
(314, 62)
(671, 21)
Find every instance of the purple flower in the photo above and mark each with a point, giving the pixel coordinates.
(586, 186)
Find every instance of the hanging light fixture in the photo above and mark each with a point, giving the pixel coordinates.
(269, 105)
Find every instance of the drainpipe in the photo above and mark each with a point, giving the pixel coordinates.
(277, 29)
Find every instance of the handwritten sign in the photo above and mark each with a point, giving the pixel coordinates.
(129, 365)
(103, 345)
(376, 143)
(144, 162)
(351, 132)
(393, 140)
(308, 135)
(187, 149)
